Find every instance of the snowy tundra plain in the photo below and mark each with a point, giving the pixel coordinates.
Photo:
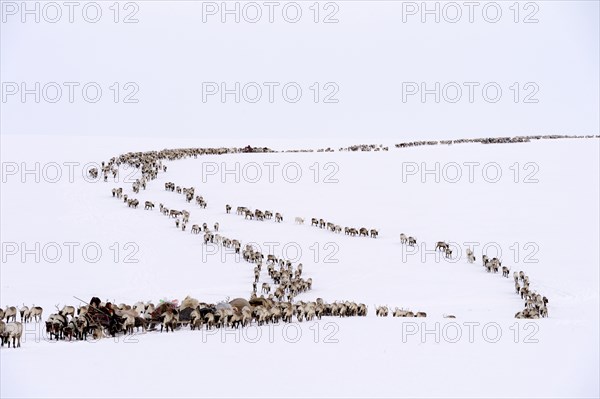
(534, 205)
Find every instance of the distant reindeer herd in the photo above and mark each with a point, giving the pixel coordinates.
(287, 280)
(150, 164)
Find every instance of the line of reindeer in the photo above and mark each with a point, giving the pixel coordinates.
(533, 306)
(336, 228)
(257, 214)
(536, 305)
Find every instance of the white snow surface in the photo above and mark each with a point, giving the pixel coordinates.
(552, 226)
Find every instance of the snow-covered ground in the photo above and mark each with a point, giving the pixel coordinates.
(537, 202)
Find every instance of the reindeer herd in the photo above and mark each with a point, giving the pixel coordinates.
(277, 300)
(12, 330)
(72, 323)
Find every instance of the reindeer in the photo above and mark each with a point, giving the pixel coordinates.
(488, 265)
(299, 270)
(412, 241)
(69, 330)
(216, 226)
(10, 313)
(36, 313)
(381, 311)
(287, 314)
(299, 220)
(402, 313)
(24, 313)
(66, 311)
(128, 323)
(259, 215)
(448, 252)
(57, 323)
(148, 205)
(132, 203)
(13, 330)
(278, 217)
(485, 260)
(374, 233)
(361, 310)
(441, 246)
(210, 320)
(246, 316)
(196, 319)
(496, 264)
(82, 326)
(266, 288)
(169, 320)
(403, 238)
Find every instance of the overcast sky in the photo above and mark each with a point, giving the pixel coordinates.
(361, 68)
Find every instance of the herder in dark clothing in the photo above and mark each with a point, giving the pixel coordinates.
(114, 320)
(95, 302)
